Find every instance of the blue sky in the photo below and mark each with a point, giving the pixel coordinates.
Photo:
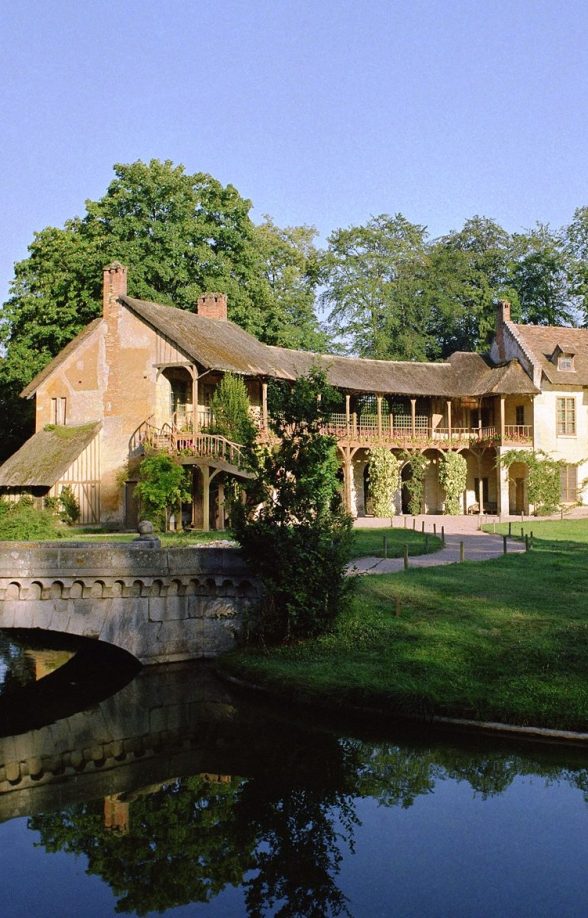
(322, 112)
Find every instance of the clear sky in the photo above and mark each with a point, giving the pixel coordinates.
(322, 112)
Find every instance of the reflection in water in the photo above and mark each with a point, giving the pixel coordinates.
(22, 663)
(176, 789)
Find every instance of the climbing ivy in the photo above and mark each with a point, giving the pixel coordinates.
(384, 477)
(453, 470)
(544, 482)
(415, 485)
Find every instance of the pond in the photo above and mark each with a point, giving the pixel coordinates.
(176, 794)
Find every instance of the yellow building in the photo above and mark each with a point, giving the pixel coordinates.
(144, 374)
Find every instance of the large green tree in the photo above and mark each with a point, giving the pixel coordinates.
(372, 277)
(180, 234)
(467, 271)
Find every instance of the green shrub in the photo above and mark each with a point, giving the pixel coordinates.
(21, 521)
(293, 530)
(415, 484)
(453, 473)
(230, 410)
(164, 484)
(70, 508)
(384, 476)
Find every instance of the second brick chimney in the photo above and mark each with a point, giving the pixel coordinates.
(115, 285)
(212, 306)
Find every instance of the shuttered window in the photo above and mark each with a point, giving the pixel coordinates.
(569, 484)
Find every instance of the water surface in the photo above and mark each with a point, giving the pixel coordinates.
(178, 795)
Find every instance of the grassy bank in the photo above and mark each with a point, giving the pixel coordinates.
(503, 640)
(375, 542)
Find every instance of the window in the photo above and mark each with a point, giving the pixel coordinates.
(520, 415)
(58, 410)
(566, 417)
(569, 484)
(565, 362)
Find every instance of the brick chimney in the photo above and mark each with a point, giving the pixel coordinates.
(115, 285)
(212, 306)
(502, 316)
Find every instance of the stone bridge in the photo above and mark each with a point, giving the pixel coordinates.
(159, 604)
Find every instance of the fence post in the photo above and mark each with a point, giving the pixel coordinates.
(461, 551)
(385, 546)
(526, 543)
(406, 557)
(504, 545)
(443, 535)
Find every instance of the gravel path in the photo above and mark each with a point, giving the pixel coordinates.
(478, 546)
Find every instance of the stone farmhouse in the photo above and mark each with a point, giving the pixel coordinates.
(144, 374)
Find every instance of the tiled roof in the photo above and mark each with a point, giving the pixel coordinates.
(46, 456)
(540, 342)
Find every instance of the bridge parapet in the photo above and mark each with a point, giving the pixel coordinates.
(161, 605)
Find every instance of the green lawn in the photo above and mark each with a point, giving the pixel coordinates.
(370, 542)
(168, 539)
(503, 640)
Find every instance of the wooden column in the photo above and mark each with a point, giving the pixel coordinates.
(194, 375)
(449, 418)
(348, 412)
(502, 417)
(205, 469)
(480, 487)
(264, 405)
(413, 416)
(379, 409)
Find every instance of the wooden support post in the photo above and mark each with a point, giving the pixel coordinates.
(443, 534)
(205, 498)
(502, 418)
(504, 545)
(413, 416)
(526, 543)
(461, 551)
(405, 556)
(449, 419)
(348, 413)
(379, 410)
(423, 526)
(195, 418)
(434, 529)
(414, 524)
(264, 415)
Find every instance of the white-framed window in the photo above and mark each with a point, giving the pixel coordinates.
(566, 416)
(565, 362)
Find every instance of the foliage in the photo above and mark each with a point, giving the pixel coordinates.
(485, 640)
(163, 486)
(453, 471)
(70, 508)
(291, 268)
(292, 528)
(21, 521)
(415, 482)
(179, 234)
(384, 479)
(544, 483)
(230, 410)
(372, 278)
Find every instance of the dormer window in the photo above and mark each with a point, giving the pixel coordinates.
(563, 357)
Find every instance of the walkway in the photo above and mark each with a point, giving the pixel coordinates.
(478, 546)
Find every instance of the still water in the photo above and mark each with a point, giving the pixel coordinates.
(167, 791)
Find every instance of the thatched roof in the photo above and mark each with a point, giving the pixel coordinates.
(46, 456)
(222, 345)
(542, 342)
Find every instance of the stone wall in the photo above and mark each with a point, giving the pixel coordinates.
(161, 605)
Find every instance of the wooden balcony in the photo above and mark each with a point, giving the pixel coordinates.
(404, 431)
